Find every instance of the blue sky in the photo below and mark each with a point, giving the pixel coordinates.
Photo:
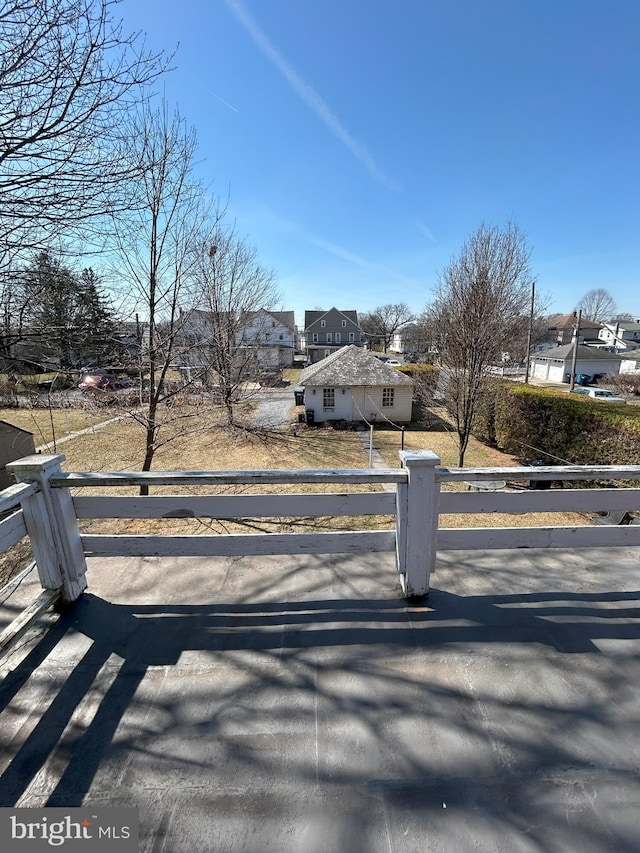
(361, 141)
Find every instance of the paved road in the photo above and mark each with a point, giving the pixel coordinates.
(273, 408)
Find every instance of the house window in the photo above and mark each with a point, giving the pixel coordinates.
(327, 352)
(329, 337)
(344, 323)
(315, 337)
(352, 337)
(328, 399)
(338, 338)
(323, 323)
(280, 337)
(387, 397)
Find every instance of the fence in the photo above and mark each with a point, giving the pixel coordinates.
(50, 513)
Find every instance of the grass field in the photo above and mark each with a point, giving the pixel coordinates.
(46, 424)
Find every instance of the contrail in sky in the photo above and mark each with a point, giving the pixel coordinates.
(308, 95)
(222, 101)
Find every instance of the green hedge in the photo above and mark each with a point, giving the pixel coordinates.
(525, 420)
(419, 369)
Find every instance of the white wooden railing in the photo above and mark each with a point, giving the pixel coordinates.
(50, 513)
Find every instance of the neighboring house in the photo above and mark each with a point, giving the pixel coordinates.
(14, 444)
(273, 336)
(621, 336)
(555, 364)
(408, 340)
(351, 384)
(327, 331)
(263, 340)
(563, 325)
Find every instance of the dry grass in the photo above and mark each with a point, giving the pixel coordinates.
(39, 421)
(207, 444)
(443, 442)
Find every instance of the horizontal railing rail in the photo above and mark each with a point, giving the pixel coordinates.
(578, 500)
(227, 507)
(541, 472)
(54, 501)
(226, 478)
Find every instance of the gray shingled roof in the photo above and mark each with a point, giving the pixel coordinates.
(350, 366)
(584, 352)
(312, 317)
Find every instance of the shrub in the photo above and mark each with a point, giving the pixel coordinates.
(528, 421)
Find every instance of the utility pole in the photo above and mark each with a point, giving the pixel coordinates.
(530, 333)
(576, 338)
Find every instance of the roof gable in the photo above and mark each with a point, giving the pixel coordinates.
(352, 366)
(332, 317)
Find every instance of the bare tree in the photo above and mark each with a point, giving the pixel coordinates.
(381, 324)
(68, 77)
(480, 300)
(233, 323)
(597, 305)
(158, 249)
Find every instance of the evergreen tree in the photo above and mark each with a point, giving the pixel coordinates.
(51, 292)
(69, 320)
(96, 322)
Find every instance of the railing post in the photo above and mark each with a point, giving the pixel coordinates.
(52, 525)
(417, 521)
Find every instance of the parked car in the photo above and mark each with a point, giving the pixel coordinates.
(599, 394)
(98, 381)
(393, 362)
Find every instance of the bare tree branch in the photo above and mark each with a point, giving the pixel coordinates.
(480, 299)
(232, 324)
(597, 305)
(158, 246)
(381, 324)
(69, 76)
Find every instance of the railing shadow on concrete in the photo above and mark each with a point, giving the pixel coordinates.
(139, 637)
(48, 512)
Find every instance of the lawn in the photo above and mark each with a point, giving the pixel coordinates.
(47, 424)
(205, 443)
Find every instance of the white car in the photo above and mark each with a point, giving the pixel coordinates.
(598, 394)
(392, 362)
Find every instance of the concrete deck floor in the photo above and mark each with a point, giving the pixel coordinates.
(297, 704)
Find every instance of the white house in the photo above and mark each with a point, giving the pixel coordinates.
(351, 384)
(555, 364)
(262, 339)
(621, 336)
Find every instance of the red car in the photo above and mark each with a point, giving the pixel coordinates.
(93, 381)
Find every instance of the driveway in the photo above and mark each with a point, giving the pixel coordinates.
(273, 408)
